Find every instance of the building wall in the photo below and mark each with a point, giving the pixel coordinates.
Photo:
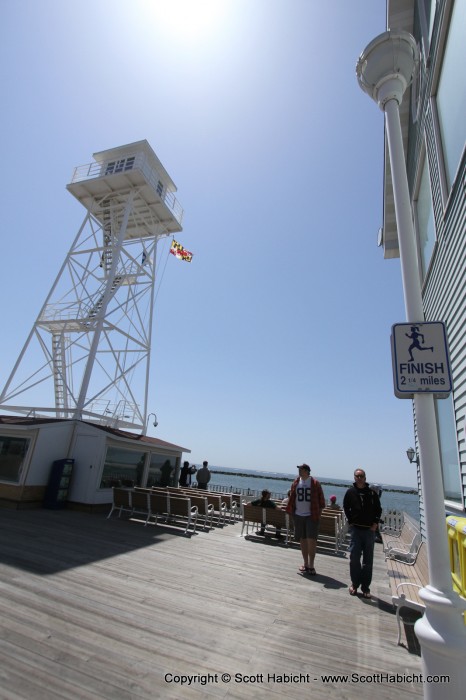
(444, 285)
(47, 444)
(87, 445)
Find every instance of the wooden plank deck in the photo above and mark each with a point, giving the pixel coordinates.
(97, 608)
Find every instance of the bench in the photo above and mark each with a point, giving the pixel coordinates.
(140, 504)
(342, 523)
(330, 526)
(329, 531)
(179, 507)
(404, 547)
(204, 508)
(405, 553)
(172, 507)
(121, 501)
(406, 580)
(264, 517)
(229, 505)
(214, 499)
(252, 515)
(279, 519)
(132, 501)
(152, 504)
(392, 522)
(233, 506)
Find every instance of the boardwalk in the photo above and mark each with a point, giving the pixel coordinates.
(92, 608)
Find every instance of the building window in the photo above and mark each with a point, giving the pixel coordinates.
(426, 15)
(122, 468)
(448, 449)
(118, 166)
(425, 219)
(13, 452)
(161, 470)
(451, 100)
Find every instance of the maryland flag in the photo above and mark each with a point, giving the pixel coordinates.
(179, 252)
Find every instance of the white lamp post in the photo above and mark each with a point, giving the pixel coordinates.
(384, 71)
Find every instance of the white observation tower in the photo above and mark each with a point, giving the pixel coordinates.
(88, 354)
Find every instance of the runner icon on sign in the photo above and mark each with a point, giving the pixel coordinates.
(416, 336)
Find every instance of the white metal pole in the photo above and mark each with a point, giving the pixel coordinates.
(441, 631)
(404, 216)
(152, 262)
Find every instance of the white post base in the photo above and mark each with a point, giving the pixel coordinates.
(442, 635)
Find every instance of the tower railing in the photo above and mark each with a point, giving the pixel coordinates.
(135, 161)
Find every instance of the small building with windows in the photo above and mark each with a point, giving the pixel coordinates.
(101, 456)
(433, 121)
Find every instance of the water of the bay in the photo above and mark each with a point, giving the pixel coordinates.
(252, 482)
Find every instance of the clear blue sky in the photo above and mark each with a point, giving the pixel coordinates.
(272, 347)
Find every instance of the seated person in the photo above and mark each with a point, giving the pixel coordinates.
(332, 503)
(284, 503)
(265, 502)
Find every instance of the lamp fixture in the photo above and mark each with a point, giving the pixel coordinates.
(155, 423)
(412, 456)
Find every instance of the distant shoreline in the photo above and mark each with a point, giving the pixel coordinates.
(344, 485)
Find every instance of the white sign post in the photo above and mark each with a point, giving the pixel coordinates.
(420, 360)
(385, 70)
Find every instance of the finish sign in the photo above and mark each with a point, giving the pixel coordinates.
(420, 360)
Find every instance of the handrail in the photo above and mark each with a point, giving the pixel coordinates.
(133, 162)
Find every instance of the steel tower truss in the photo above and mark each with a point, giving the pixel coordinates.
(88, 354)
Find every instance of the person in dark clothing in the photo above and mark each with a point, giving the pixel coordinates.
(166, 474)
(185, 477)
(186, 474)
(203, 476)
(363, 510)
(265, 502)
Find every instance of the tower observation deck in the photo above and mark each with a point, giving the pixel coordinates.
(90, 345)
(117, 172)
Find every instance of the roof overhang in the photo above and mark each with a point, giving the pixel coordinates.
(124, 435)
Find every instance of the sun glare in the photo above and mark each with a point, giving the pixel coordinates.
(188, 19)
